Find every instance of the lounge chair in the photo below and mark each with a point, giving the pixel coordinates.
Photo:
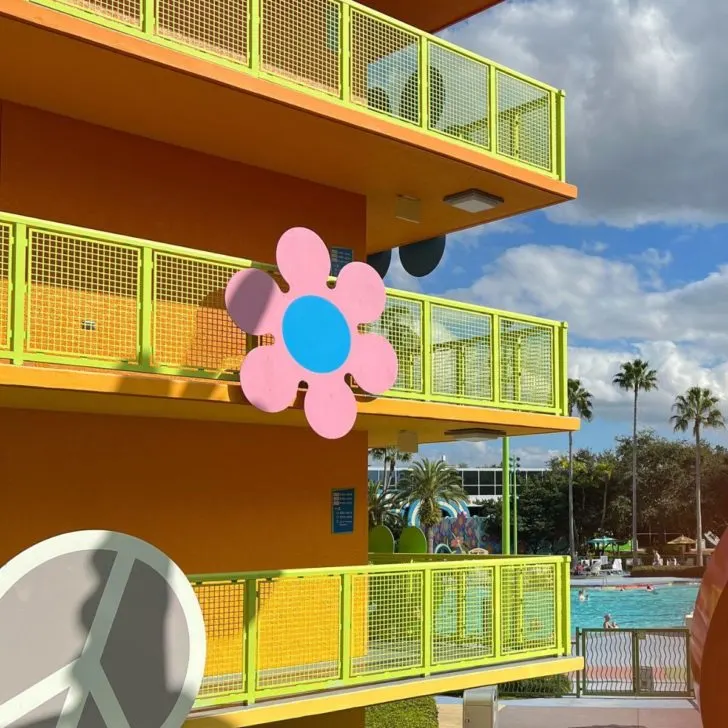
(595, 569)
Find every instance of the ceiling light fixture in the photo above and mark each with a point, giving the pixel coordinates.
(475, 434)
(473, 201)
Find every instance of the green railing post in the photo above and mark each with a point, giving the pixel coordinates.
(148, 16)
(428, 620)
(566, 604)
(250, 618)
(254, 24)
(497, 612)
(146, 308)
(495, 359)
(492, 109)
(345, 52)
(423, 62)
(426, 354)
(561, 132)
(635, 663)
(506, 499)
(579, 642)
(346, 626)
(18, 278)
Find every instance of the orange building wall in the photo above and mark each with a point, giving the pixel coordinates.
(64, 170)
(216, 497)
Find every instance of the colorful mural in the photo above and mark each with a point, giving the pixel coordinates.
(464, 533)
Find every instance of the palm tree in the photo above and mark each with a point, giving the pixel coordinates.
(430, 482)
(383, 509)
(697, 407)
(635, 376)
(605, 470)
(391, 456)
(580, 403)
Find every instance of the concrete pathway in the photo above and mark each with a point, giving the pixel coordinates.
(582, 713)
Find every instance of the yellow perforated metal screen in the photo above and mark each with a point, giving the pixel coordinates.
(219, 27)
(394, 621)
(463, 608)
(191, 326)
(526, 366)
(223, 611)
(300, 41)
(5, 286)
(124, 11)
(528, 601)
(298, 630)
(82, 298)
(461, 353)
(458, 89)
(524, 121)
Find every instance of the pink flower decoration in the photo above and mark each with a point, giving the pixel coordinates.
(315, 332)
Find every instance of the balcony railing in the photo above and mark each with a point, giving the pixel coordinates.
(82, 298)
(359, 58)
(279, 634)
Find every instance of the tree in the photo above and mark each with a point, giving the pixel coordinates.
(697, 407)
(580, 403)
(390, 457)
(605, 470)
(430, 482)
(383, 510)
(635, 376)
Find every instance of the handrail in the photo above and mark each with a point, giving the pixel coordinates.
(84, 298)
(279, 634)
(360, 58)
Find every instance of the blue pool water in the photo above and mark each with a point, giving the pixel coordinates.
(666, 606)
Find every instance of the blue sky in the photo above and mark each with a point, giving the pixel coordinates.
(637, 265)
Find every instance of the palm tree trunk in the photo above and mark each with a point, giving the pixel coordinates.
(635, 545)
(604, 506)
(698, 500)
(430, 539)
(572, 539)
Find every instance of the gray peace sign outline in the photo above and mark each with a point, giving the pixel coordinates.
(93, 680)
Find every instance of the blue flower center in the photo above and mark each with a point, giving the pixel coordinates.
(316, 334)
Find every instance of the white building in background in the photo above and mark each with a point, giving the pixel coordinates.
(479, 483)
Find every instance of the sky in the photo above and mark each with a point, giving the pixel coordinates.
(638, 265)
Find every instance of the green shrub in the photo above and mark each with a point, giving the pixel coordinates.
(552, 686)
(415, 713)
(688, 572)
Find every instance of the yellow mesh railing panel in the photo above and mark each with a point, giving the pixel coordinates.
(191, 326)
(219, 27)
(401, 323)
(524, 121)
(385, 67)
(128, 12)
(223, 611)
(458, 105)
(300, 41)
(5, 236)
(394, 621)
(526, 366)
(528, 603)
(463, 615)
(299, 622)
(461, 353)
(83, 298)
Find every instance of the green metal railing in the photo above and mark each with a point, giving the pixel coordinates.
(83, 298)
(278, 634)
(635, 662)
(359, 58)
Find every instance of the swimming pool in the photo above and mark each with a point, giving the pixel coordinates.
(666, 606)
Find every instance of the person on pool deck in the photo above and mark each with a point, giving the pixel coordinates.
(608, 623)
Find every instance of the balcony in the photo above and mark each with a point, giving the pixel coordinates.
(75, 299)
(374, 633)
(350, 80)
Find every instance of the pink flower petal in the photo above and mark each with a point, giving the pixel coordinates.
(304, 261)
(330, 406)
(269, 378)
(254, 302)
(359, 293)
(373, 363)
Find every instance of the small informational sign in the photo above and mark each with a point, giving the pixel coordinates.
(339, 258)
(342, 510)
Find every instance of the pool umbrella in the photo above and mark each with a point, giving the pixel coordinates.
(602, 542)
(681, 541)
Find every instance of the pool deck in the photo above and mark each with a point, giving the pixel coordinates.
(581, 582)
(581, 713)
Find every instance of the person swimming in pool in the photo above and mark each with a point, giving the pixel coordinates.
(650, 587)
(583, 596)
(609, 623)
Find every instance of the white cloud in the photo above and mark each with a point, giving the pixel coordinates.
(479, 454)
(647, 113)
(398, 277)
(596, 246)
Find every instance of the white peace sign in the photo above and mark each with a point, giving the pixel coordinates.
(126, 623)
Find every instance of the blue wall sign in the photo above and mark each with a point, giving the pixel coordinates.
(342, 510)
(339, 258)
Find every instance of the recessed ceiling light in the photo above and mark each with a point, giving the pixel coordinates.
(473, 201)
(475, 434)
